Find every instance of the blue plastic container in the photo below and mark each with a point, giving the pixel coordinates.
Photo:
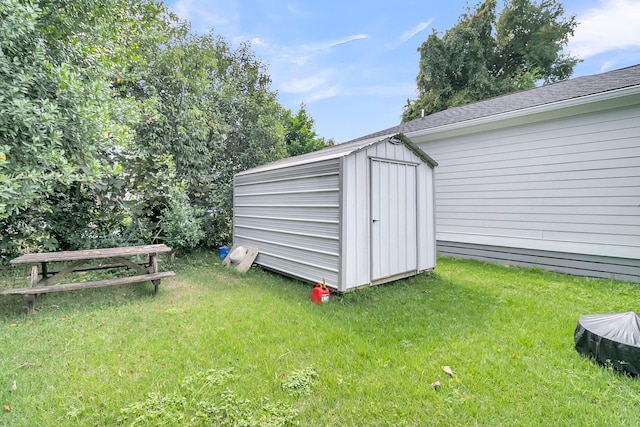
(223, 251)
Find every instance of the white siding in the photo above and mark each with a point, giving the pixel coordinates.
(292, 215)
(394, 237)
(356, 219)
(426, 219)
(356, 249)
(571, 184)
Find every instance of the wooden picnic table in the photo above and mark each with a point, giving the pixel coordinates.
(43, 280)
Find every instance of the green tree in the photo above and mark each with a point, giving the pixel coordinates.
(60, 124)
(119, 125)
(482, 57)
(300, 137)
(215, 115)
(254, 135)
(174, 138)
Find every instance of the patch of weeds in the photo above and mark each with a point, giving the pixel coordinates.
(300, 382)
(156, 409)
(205, 399)
(229, 410)
(206, 381)
(275, 414)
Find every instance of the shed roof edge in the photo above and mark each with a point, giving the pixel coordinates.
(338, 151)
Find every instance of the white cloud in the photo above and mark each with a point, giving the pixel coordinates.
(299, 60)
(298, 55)
(205, 15)
(323, 93)
(257, 41)
(307, 53)
(237, 40)
(298, 70)
(413, 31)
(304, 85)
(295, 10)
(322, 85)
(613, 25)
(329, 45)
(310, 89)
(607, 65)
(348, 39)
(408, 35)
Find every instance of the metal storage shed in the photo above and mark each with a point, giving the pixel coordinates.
(355, 214)
(546, 177)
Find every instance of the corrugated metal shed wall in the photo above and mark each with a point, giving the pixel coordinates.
(292, 215)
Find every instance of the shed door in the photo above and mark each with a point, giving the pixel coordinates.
(394, 241)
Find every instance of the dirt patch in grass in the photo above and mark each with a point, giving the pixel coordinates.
(182, 288)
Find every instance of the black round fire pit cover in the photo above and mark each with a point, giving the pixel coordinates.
(611, 339)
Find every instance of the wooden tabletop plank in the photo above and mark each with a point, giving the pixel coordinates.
(90, 254)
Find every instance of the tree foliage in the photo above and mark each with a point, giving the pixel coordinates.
(300, 137)
(484, 56)
(215, 115)
(59, 121)
(119, 125)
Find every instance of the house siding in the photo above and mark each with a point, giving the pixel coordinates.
(569, 185)
(560, 262)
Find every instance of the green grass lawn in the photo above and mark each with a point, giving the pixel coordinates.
(220, 348)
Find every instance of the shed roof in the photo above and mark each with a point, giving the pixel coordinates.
(341, 150)
(544, 95)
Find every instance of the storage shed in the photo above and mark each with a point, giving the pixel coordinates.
(355, 214)
(546, 177)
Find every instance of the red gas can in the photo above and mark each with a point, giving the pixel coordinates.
(320, 293)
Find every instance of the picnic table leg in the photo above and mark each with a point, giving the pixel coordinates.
(31, 303)
(153, 266)
(31, 299)
(34, 275)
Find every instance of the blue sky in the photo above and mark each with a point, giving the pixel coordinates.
(354, 63)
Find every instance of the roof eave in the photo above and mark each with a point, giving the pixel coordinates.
(417, 150)
(539, 109)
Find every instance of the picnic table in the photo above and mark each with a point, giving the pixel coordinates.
(44, 280)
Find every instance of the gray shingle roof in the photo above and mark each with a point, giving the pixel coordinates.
(547, 94)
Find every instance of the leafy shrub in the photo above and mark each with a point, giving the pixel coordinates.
(181, 224)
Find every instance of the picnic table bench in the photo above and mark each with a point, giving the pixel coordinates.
(43, 280)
